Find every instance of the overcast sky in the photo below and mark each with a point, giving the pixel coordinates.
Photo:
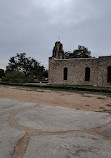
(33, 27)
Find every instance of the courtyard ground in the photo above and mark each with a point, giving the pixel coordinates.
(44, 123)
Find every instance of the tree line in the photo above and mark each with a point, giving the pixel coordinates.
(24, 69)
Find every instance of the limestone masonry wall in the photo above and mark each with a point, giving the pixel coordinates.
(76, 71)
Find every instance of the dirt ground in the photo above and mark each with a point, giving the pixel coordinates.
(25, 133)
(65, 99)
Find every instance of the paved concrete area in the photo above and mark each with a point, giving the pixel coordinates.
(68, 146)
(9, 136)
(106, 132)
(36, 131)
(47, 118)
(8, 105)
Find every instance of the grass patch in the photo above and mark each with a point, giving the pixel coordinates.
(87, 96)
(107, 111)
(81, 86)
(59, 88)
(104, 110)
(87, 105)
(108, 105)
(100, 98)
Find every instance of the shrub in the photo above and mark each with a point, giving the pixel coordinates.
(1, 73)
(14, 77)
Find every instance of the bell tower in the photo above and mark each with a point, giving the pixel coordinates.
(58, 51)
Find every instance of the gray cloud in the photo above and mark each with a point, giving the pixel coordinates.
(34, 26)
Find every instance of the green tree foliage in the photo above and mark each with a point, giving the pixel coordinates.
(14, 77)
(81, 52)
(46, 74)
(1, 73)
(29, 66)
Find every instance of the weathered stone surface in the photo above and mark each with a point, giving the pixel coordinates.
(48, 118)
(9, 136)
(76, 71)
(8, 105)
(68, 146)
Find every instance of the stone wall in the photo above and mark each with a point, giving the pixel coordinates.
(76, 71)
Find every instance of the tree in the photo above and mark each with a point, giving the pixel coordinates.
(29, 66)
(14, 77)
(81, 52)
(1, 73)
(45, 74)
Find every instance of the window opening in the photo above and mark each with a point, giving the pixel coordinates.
(109, 74)
(65, 73)
(87, 74)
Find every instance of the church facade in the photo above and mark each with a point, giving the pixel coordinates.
(79, 71)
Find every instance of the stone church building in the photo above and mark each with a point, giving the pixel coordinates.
(78, 71)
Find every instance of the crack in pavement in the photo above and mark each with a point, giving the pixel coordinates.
(23, 142)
